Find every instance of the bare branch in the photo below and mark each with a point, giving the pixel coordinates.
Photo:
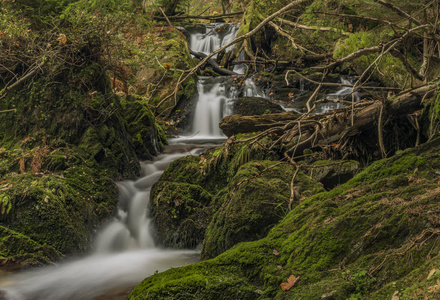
(313, 28)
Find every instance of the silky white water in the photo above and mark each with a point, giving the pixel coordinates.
(341, 93)
(209, 38)
(124, 251)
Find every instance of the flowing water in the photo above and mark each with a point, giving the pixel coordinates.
(124, 252)
(340, 94)
(209, 38)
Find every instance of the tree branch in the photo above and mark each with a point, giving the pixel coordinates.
(313, 28)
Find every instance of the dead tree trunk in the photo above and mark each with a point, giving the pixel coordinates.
(299, 132)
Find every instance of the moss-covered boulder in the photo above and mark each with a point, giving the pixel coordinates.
(250, 106)
(193, 188)
(18, 248)
(147, 137)
(368, 238)
(181, 213)
(48, 198)
(258, 198)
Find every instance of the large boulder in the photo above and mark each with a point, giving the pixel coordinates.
(258, 197)
(369, 238)
(181, 213)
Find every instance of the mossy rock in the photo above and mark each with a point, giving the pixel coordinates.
(331, 174)
(254, 204)
(250, 106)
(192, 189)
(352, 242)
(18, 248)
(181, 212)
(60, 210)
(147, 138)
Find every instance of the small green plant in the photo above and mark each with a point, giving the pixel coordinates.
(361, 281)
(5, 204)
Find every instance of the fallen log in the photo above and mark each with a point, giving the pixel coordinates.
(299, 132)
(215, 17)
(234, 124)
(215, 66)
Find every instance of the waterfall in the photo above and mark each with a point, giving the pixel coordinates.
(339, 94)
(124, 251)
(214, 103)
(215, 95)
(209, 38)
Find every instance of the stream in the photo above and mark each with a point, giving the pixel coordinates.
(124, 252)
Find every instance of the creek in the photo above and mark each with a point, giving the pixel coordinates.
(124, 251)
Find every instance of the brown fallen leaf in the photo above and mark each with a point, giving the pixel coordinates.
(395, 296)
(291, 281)
(275, 252)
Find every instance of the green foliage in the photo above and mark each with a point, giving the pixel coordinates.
(171, 7)
(391, 71)
(5, 204)
(356, 41)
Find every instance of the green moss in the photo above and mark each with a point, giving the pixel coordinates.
(349, 242)
(392, 72)
(16, 247)
(254, 204)
(60, 210)
(181, 213)
(147, 137)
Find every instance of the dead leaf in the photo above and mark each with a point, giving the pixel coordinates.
(5, 187)
(291, 281)
(395, 296)
(62, 39)
(275, 252)
(431, 273)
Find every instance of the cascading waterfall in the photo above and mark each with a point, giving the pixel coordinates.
(214, 103)
(124, 250)
(339, 94)
(215, 95)
(209, 38)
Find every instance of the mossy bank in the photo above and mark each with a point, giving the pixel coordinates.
(365, 239)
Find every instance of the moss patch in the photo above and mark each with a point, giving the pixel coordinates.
(349, 242)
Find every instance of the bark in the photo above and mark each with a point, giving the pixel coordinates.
(215, 66)
(338, 126)
(217, 17)
(330, 127)
(234, 124)
(312, 28)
